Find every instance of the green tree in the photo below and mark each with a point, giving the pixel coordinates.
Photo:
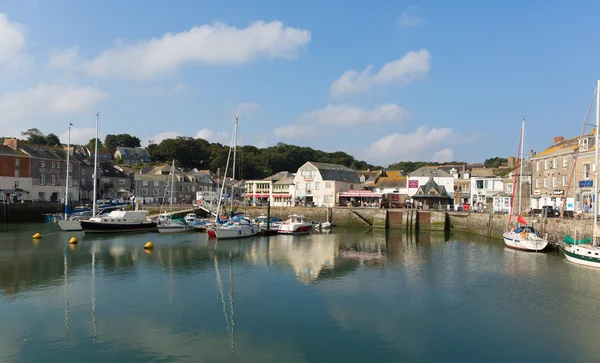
(494, 162)
(52, 140)
(125, 140)
(92, 143)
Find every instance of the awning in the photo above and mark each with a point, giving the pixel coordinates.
(361, 194)
(281, 196)
(257, 195)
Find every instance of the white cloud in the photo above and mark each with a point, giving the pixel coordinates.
(444, 155)
(346, 115)
(79, 136)
(294, 131)
(418, 145)
(413, 65)
(65, 58)
(211, 136)
(32, 107)
(212, 44)
(246, 109)
(12, 40)
(409, 18)
(156, 139)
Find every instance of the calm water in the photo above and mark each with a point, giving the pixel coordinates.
(348, 296)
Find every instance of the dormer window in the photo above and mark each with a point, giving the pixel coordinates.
(583, 144)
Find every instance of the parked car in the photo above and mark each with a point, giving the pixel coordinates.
(550, 211)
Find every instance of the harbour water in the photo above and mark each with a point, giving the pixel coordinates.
(346, 296)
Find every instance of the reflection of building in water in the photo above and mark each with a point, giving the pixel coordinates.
(308, 256)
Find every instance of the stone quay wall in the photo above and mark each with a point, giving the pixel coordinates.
(27, 212)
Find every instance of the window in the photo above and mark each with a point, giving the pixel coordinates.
(43, 165)
(155, 183)
(565, 161)
(145, 191)
(545, 183)
(70, 181)
(42, 196)
(307, 173)
(53, 179)
(537, 166)
(42, 179)
(53, 165)
(82, 171)
(121, 181)
(70, 167)
(586, 171)
(327, 184)
(16, 184)
(17, 173)
(479, 184)
(155, 192)
(317, 185)
(583, 143)
(193, 188)
(553, 182)
(17, 162)
(82, 182)
(509, 188)
(308, 187)
(187, 188)
(555, 163)
(546, 164)
(58, 165)
(564, 178)
(145, 183)
(537, 183)
(297, 185)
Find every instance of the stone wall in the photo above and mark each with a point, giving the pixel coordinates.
(27, 212)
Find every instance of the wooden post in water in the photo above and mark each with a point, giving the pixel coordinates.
(268, 214)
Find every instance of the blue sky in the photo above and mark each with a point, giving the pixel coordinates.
(382, 80)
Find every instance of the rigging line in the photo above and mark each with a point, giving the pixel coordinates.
(220, 286)
(225, 173)
(517, 172)
(576, 156)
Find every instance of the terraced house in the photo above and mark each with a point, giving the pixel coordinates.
(319, 184)
(153, 187)
(552, 169)
(15, 182)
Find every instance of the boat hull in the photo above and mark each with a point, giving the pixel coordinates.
(291, 229)
(231, 233)
(580, 259)
(96, 227)
(175, 229)
(70, 225)
(514, 241)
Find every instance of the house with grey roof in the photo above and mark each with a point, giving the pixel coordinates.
(432, 195)
(132, 155)
(154, 187)
(320, 183)
(422, 176)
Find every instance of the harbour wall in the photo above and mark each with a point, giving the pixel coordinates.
(27, 212)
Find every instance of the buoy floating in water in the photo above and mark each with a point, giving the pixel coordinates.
(73, 240)
(149, 246)
(37, 236)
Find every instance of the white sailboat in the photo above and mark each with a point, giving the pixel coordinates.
(238, 225)
(173, 225)
(523, 237)
(588, 254)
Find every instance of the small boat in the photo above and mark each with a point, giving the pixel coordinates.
(238, 226)
(119, 221)
(176, 225)
(274, 222)
(200, 225)
(323, 225)
(295, 224)
(190, 218)
(525, 238)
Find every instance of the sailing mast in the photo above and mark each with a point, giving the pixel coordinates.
(172, 182)
(595, 201)
(517, 172)
(521, 164)
(67, 179)
(95, 166)
(234, 154)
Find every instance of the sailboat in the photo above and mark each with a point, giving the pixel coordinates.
(173, 225)
(523, 236)
(73, 223)
(238, 225)
(583, 252)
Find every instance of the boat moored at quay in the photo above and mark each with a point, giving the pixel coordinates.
(119, 221)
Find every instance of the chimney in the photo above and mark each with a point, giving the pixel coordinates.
(511, 162)
(531, 153)
(11, 142)
(558, 139)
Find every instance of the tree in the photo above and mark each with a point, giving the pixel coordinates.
(494, 162)
(92, 143)
(52, 140)
(37, 139)
(125, 140)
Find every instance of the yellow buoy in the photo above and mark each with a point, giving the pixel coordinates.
(36, 236)
(73, 240)
(149, 246)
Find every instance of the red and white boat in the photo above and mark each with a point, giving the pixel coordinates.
(295, 224)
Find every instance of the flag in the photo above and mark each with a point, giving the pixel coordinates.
(70, 124)
(521, 220)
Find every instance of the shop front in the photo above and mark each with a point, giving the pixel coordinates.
(585, 197)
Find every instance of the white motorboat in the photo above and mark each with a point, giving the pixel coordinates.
(239, 226)
(190, 218)
(273, 224)
(323, 225)
(295, 224)
(119, 221)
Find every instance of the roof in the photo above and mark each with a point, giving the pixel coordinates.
(336, 172)
(431, 189)
(42, 151)
(428, 171)
(133, 153)
(285, 181)
(7, 150)
(279, 176)
(568, 145)
(483, 172)
(391, 179)
(112, 171)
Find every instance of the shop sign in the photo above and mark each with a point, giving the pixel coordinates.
(558, 192)
(413, 184)
(586, 183)
(465, 195)
(536, 192)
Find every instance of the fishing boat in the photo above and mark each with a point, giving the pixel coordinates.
(173, 225)
(523, 236)
(238, 225)
(587, 251)
(295, 224)
(119, 221)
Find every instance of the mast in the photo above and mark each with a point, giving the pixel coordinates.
(521, 164)
(234, 154)
(95, 166)
(516, 173)
(67, 179)
(172, 182)
(595, 202)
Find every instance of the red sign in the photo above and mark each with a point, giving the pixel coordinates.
(413, 184)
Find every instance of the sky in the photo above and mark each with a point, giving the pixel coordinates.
(384, 81)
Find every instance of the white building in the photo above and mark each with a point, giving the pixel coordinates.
(277, 189)
(484, 189)
(421, 176)
(320, 183)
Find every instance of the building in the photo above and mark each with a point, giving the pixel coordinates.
(154, 186)
(552, 169)
(15, 182)
(320, 183)
(368, 178)
(462, 187)
(259, 192)
(579, 192)
(431, 195)
(114, 183)
(283, 192)
(392, 184)
(132, 155)
(422, 176)
(483, 191)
